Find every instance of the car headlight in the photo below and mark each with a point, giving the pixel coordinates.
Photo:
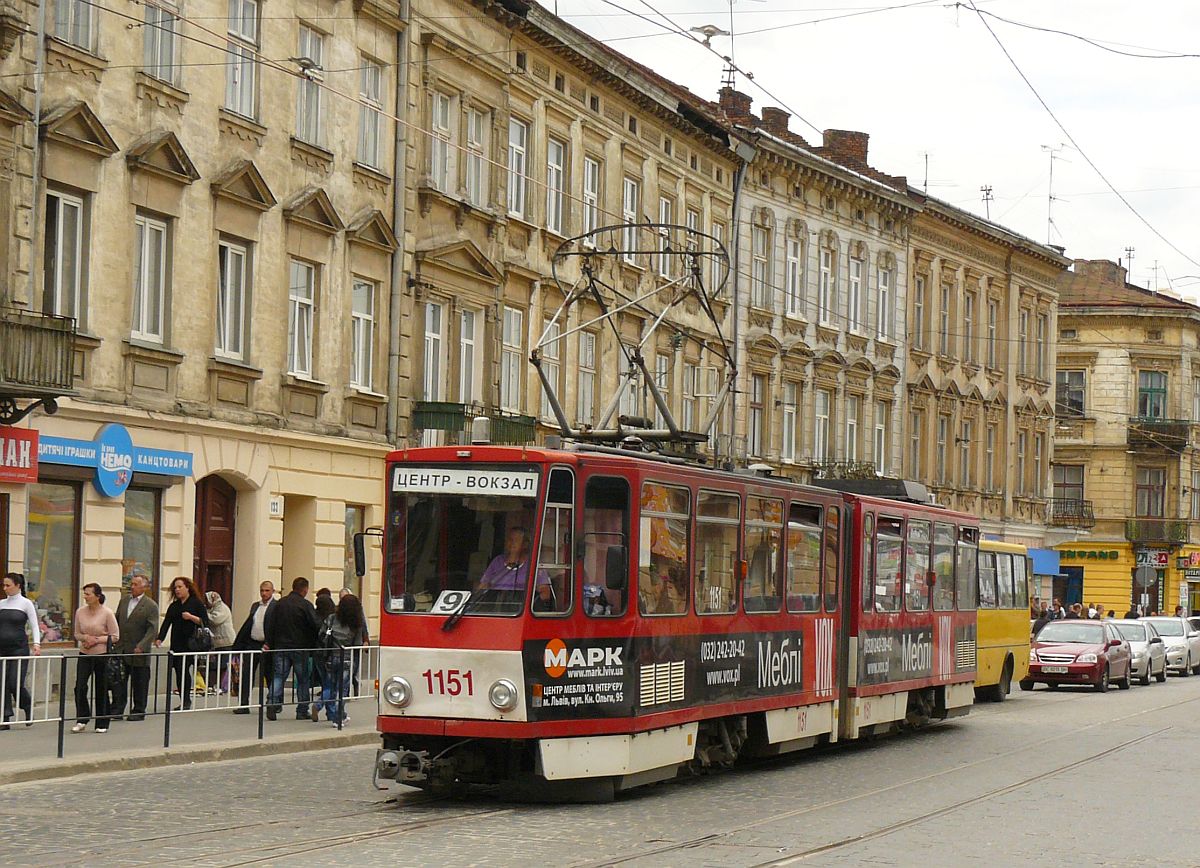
(1033, 658)
(503, 695)
(1086, 658)
(397, 691)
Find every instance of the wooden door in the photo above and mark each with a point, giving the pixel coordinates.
(216, 514)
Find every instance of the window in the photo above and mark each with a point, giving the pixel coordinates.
(719, 274)
(1196, 400)
(556, 161)
(1023, 342)
(916, 567)
(832, 557)
(966, 577)
(302, 292)
(556, 555)
(969, 326)
(1004, 580)
(943, 434)
(787, 450)
(551, 367)
(854, 301)
(943, 567)
(853, 408)
(987, 580)
(1039, 449)
(989, 461)
(630, 195)
(160, 42)
(432, 387)
(1042, 361)
(518, 143)
(149, 278)
(693, 224)
(139, 546)
(760, 278)
(826, 289)
(918, 329)
(1069, 393)
(1195, 493)
(758, 390)
(1149, 491)
(355, 522)
(889, 557)
(362, 334)
(690, 405)
(663, 555)
(441, 135)
(794, 302)
(1152, 395)
(662, 381)
(916, 422)
(309, 122)
(884, 304)
(882, 412)
(591, 194)
(1021, 483)
(717, 518)
(75, 22)
(944, 322)
(866, 575)
(587, 379)
(1068, 482)
(477, 159)
(370, 113)
(631, 395)
(764, 539)
(804, 558)
(233, 284)
(52, 555)
(666, 216)
(469, 389)
(241, 63)
(993, 316)
(821, 426)
(511, 359)
(62, 288)
(965, 442)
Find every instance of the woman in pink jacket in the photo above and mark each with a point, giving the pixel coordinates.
(95, 627)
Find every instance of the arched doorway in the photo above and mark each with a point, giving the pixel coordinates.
(216, 513)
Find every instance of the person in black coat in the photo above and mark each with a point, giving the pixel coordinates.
(251, 637)
(291, 629)
(185, 614)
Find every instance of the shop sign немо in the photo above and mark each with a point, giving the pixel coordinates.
(18, 454)
(114, 458)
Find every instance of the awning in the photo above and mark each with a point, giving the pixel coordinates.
(1045, 562)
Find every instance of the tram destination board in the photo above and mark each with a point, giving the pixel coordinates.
(643, 675)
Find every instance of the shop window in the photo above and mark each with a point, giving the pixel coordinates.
(52, 555)
(663, 555)
(356, 520)
(143, 530)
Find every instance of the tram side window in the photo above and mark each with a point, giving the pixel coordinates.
(717, 519)
(965, 574)
(889, 549)
(764, 534)
(916, 567)
(987, 580)
(555, 556)
(605, 541)
(943, 567)
(833, 549)
(868, 562)
(663, 555)
(1020, 582)
(1004, 583)
(804, 558)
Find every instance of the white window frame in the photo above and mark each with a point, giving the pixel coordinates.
(989, 466)
(666, 215)
(160, 42)
(551, 367)
(556, 182)
(944, 342)
(233, 261)
(241, 70)
(150, 283)
(64, 297)
(433, 383)
(969, 327)
(76, 22)
(717, 232)
(918, 330)
(441, 137)
(794, 277)
(1023, 342)
(854, 291)
(362, 333)
(966, 440)
(477, 162)
(826, 287)
(689, 412)
(1195, 495)
(760, 267)
(941, 466)
(1039, 450)
(992, 325)
(518, 166)
(789, 419)
(882, 411)
(1196, 399)
(631, 191)
(1042, 326)
(310, 114)
(592, 175)
(756, 441)
(822, 404)
(469, 377)
(585, 400)
(370, 113)
(853, 410)
(512, 358)
(883, 304)
(662, 379)
(1021, 444)
(302, 320)
(916, 422)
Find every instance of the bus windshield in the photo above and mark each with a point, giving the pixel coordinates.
(460, 539)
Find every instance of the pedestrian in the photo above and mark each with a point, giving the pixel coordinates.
(17, 614)
(1133, 611)
(1035, 607)
(343, 629)
(1179, 611)
(1091, 612)
(95, 631)
(137, 622)
(1057, 610)
(1075, 612)
(220, 621)
(1043, 619)
(291, 634)
(1112, 613)
(185, 614)
(317, 660)
(356, 657)
(250, 638)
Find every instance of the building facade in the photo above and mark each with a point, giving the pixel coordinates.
(219, 227)
(1128, 403)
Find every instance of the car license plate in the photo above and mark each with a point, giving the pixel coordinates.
(1055, 670)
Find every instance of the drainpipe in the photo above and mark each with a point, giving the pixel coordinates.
(34, 221)
(399, 186)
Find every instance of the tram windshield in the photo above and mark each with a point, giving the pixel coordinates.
(460, 540)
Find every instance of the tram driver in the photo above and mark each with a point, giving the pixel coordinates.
(509, 570)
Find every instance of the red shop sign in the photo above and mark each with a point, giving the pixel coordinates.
(18, 454)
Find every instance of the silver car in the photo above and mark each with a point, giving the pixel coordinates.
(1182, 641)
(1149, 650)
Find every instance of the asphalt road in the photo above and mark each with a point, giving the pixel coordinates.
(1057, 778)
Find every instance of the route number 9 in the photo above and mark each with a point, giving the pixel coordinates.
(449, 602)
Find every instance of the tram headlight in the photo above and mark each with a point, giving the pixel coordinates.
(397, 691)
(503, 695)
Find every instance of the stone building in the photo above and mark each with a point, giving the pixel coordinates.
(220, 226)
(1128, 403)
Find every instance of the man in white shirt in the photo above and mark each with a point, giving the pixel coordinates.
(251, 638)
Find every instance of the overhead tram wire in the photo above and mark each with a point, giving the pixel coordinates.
(1095, 43)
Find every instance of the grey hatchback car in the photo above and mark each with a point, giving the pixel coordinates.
(1149, 652)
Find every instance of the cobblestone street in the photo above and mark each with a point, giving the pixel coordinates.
(1046, 775)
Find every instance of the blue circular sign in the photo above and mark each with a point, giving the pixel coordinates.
(114, 460)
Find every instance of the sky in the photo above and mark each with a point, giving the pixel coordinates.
(933, 87)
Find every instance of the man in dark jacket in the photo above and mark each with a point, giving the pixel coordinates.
(137, 625)
(251, 637)
(291, 629)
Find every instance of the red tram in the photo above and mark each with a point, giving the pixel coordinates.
(604, 618)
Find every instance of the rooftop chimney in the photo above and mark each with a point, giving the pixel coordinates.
(775, 120)
(846, 146)
(735, 103)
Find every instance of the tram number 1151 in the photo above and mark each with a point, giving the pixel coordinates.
(448, 682)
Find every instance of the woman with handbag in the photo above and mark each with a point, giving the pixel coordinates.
(220, 620)
(16, 614)
(95, 629)
(345, 628)
(187, 619)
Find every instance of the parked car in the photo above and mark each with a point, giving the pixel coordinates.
(1182, 641)
(1079, 652)
(1148, 649)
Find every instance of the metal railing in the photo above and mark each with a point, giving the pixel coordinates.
(1151, 433)
(1158, 530)
(843, 469)
(37, 351)
(1070, 512)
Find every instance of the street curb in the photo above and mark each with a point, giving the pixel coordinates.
(205, 753)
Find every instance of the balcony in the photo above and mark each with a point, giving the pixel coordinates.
(37, 360)
(507, 428)
(1071, 513)
(843, 470)
(1171, 531)
(1146, 433)
(513, 428)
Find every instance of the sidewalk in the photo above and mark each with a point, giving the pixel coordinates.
(30, 753)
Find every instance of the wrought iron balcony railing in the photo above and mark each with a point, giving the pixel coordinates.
(843, 470)
(37, 354)
(1149, 433)
(1069, 512)
(1156, 530)
(508, 428)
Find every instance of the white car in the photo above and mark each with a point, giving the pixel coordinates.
(1182, 641)
(1149, 650)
